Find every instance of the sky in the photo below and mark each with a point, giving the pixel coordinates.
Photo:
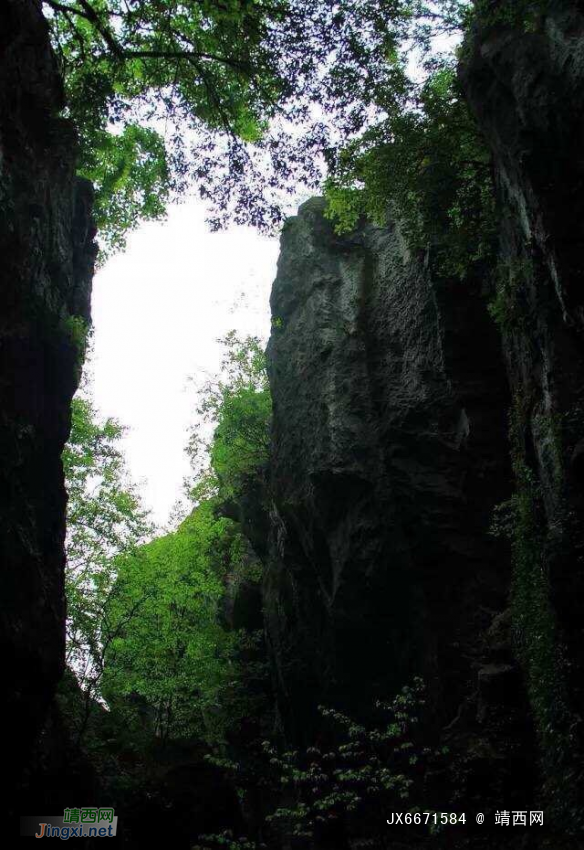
(158, 311)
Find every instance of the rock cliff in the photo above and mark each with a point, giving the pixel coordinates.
(47, 250)
(405, 421)
(526, 86)
(390, 453)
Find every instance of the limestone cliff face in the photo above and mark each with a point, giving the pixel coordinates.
(527, 91)
(389, 453)
(403, 416)
(47, 250)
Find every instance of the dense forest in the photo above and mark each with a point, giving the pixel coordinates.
(361, 627)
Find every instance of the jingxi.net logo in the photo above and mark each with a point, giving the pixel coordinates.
(87, 822)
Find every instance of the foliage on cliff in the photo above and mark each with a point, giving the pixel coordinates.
(422, 156)
(331, 794)
(429, 164)
(242, 98)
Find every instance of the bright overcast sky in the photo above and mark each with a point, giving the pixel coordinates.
(158, 310)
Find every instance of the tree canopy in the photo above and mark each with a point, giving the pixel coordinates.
(104, 519)
(429, 166)
(170, 649)
(246, 99)
(144, 618)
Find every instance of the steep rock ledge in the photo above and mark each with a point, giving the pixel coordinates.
(47, 249)
(389, 454)
(527, 91)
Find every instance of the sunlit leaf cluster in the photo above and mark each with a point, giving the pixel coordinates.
(237, 405)
(170, 650)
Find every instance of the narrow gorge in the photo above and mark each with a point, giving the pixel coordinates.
(418, 526)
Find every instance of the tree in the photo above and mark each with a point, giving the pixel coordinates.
(245, 98)
(104, 519)
(237, 404)
(169, 648)
(423, 161)
(331, 794)
(143, 618)
(429, 166)
(341, 784)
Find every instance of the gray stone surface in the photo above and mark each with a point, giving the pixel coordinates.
(389, 453)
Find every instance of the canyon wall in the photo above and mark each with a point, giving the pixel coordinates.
(411, 413)
(405, 421)
(47, 250)
(526, 87)
(390, 453)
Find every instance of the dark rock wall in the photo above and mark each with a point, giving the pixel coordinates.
(47, 251)
(526, 87)
(389, 453)
(403, 417)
